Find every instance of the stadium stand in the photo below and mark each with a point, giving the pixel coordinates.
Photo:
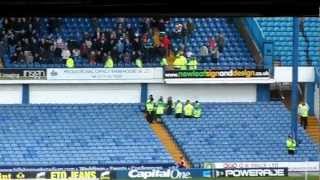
(95, 134)
(76, 30)
(279, 30)
(235, 55)
(239, 132)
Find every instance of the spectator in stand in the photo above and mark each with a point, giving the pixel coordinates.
(127, 59)
(161, 25)
(220, 42)
(177, 33)
(21, 58)
(37, 58)
(28, 57)
(148, 47)
(14, 58)
(1, 63)
(166, 43)
(99, 57)
(2, 49)
(190, 27)
(204, 52)
(120, 48)
(92, 57)
(76, 53)
(84, 50)
(213, 48)
(161, 52)
(65, 53)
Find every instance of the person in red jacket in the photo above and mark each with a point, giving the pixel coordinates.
(165, 40)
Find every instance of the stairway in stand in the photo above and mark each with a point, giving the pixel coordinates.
(161, 131)
(313, 129)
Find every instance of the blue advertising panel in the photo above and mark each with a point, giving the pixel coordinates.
(162, 174)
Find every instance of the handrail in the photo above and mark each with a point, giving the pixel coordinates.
(256, 31)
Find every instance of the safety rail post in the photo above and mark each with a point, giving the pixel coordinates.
(294, 87)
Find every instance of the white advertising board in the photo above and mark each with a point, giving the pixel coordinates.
(292, 166)
(104, 74)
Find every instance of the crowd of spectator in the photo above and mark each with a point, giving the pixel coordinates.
(29, 40)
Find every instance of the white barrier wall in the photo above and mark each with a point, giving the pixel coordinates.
(85, 93)
(317, 102)
(206, 93)
(10, 94)
(284, 74)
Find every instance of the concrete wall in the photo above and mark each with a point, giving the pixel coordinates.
(206, 93)
(10, 94)
(85, 93)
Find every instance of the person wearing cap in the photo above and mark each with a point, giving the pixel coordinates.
(197, 111)
(303, 111)
(160, 108)
(178, 109)
(188, 110)
(291, 145)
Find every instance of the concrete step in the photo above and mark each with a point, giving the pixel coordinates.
(168, 142)
(313, 129)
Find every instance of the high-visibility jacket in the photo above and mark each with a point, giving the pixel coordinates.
(150, 106)
(291, 144)
(197, 112)
(164, 62)
(188, 110)
(303, 110)
(139, 63)
(184, 63)
(70, 63)
(160, 108)
(108, 63)
(180, 63)
(193, 64)
(178, 108)
(177, 63)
